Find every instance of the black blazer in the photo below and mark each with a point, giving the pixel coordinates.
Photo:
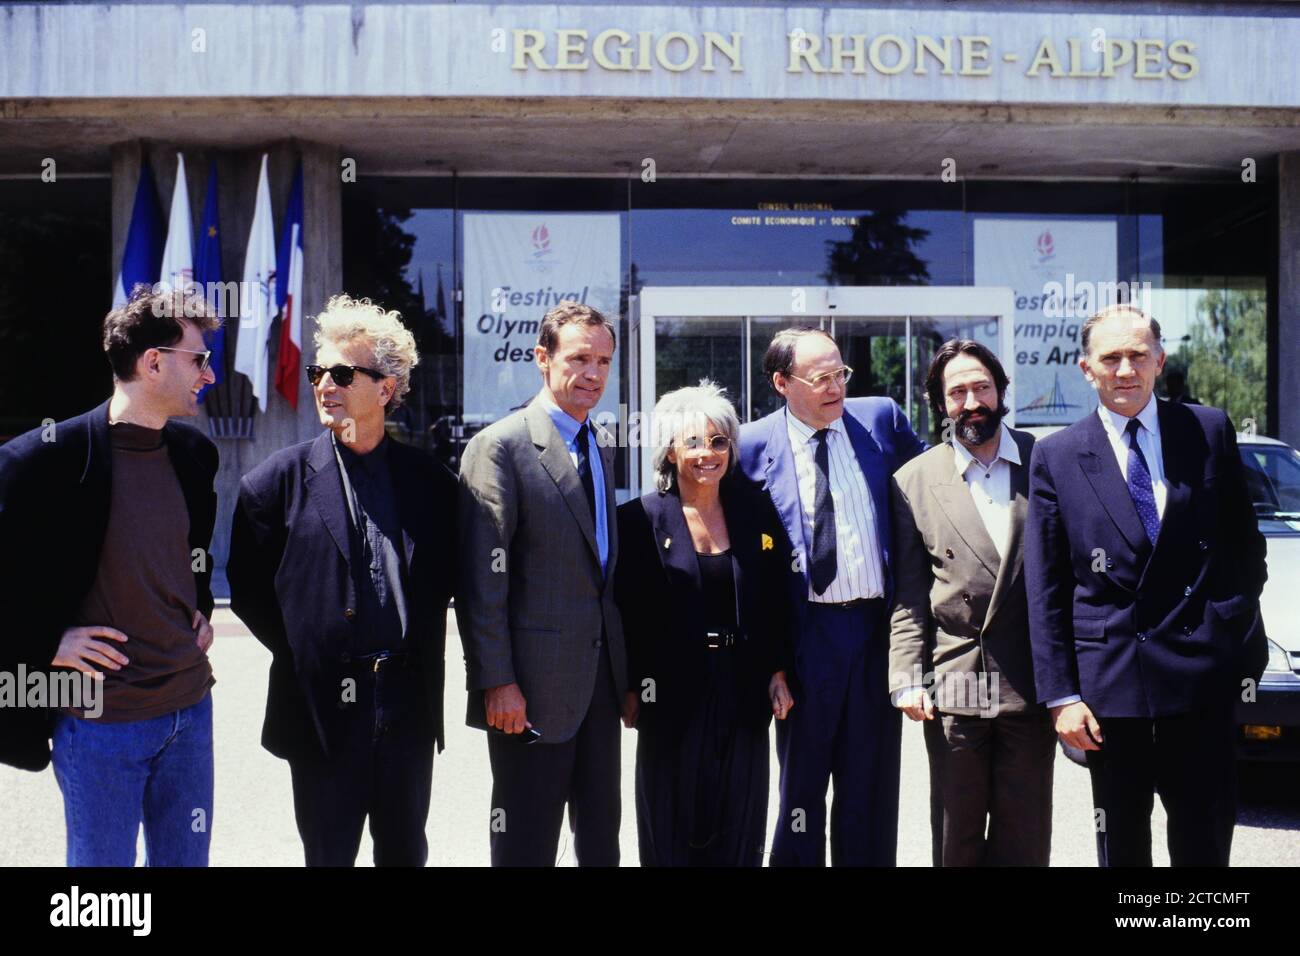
(657, 587)
(54, 502)
(1140, 630)
(291, 583)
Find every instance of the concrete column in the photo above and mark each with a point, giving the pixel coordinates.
(280, 425)
(1288, 295)
(125, 165)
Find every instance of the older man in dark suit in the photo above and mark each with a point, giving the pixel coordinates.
(542, 635)
(341, 563)
(1144, 565)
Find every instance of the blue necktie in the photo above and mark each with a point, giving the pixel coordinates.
(1139, 483)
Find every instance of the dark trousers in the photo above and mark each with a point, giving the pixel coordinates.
(531, 783)
(991, 789)
(381, 767)
(1191, 761)
(842, 726)
(701, 790)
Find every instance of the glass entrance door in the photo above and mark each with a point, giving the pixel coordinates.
(887, 335)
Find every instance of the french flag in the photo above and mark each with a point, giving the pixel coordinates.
(288, 290)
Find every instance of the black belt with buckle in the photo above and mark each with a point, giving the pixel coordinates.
(724, 638)
(845, 605)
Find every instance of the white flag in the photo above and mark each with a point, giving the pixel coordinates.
(178, 254)
(257, 294)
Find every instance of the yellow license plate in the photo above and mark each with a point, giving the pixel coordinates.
(1261, 732)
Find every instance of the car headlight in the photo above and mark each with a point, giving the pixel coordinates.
(1278, 661)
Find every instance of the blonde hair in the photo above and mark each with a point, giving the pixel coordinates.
(346, 320)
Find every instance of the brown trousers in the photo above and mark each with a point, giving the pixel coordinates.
(991, 789)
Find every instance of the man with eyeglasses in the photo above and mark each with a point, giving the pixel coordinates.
(342, 564)
(825, 460)
(105, 523)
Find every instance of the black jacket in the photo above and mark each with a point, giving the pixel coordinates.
(291, 582)
(658, 592)
(54, 502)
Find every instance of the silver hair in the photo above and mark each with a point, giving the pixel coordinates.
(346, 320)
(683, 407)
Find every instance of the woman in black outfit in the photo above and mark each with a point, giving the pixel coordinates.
(701, 590)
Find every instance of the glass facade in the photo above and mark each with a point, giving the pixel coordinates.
(1204, 253)
(1201, 254)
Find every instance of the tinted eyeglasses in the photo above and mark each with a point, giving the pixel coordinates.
(341, 374)
(201, 359)
(716, 443)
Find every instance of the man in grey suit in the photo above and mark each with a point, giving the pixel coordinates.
(547, 670)
(960, 655)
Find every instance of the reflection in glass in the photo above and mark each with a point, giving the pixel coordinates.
(689, 348)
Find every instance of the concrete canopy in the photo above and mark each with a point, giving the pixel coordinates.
(601, 136)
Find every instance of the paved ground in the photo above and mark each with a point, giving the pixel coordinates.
(253, 817)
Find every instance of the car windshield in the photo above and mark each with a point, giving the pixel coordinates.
(1273, 478)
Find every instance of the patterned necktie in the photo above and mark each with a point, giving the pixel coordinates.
(823, 549)
(584, 468)
(1139, 483)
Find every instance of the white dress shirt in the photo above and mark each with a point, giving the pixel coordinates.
(1148, 439)
(859, 569)
(990, 487)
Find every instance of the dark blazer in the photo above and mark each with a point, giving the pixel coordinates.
(291, 582)
(959, 607)
(1137, 630)
(882, 439)
(658, 591)
(54, 504)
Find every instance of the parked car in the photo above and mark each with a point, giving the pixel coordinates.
(1270, 725)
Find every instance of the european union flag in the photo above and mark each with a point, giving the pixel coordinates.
(207, 273)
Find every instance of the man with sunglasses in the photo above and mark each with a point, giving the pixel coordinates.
(825, 460)
(342, 564)
(105, 523)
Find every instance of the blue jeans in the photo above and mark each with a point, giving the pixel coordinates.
(114, 776)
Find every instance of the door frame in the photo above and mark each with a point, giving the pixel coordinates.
(819, 303)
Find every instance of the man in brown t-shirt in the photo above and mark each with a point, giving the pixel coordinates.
(120, 500)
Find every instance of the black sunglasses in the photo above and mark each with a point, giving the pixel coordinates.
(341, 374)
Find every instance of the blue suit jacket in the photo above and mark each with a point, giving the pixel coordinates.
(883, 440)
(1140, 630)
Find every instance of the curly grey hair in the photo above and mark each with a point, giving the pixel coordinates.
(347, 320)
(687, 407)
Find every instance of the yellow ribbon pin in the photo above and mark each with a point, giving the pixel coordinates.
(767, 542)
